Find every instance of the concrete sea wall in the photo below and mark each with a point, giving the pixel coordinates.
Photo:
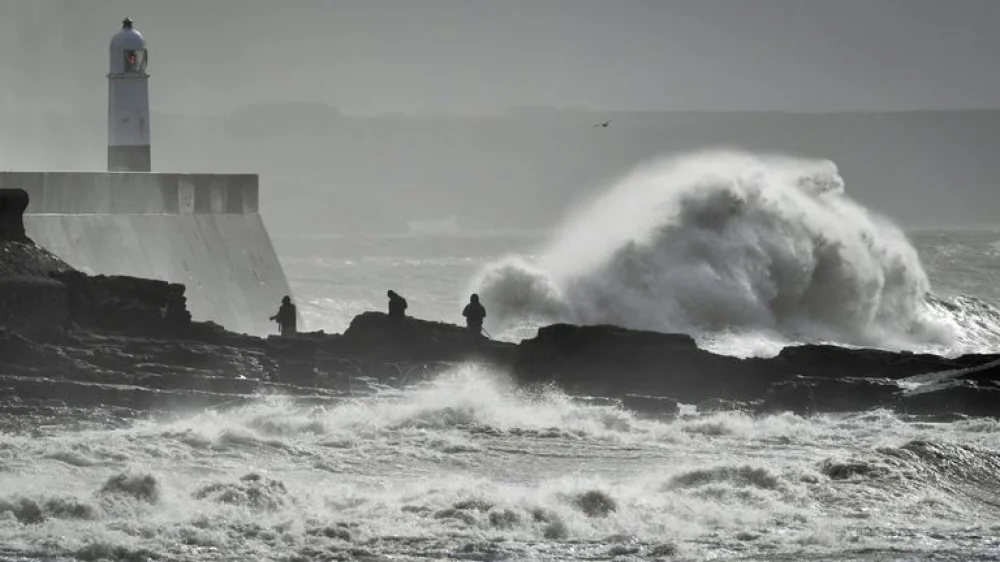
(200, 230)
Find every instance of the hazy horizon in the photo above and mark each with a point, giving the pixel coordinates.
(285, 90)
(385, 56)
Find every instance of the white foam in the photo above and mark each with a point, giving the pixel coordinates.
(722, 245)
(470, 458)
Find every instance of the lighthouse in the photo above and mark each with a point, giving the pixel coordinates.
(128, 102)
(203, 230)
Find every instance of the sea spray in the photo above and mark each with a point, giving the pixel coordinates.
(726, 243)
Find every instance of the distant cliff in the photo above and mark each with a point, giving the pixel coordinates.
(321, 170)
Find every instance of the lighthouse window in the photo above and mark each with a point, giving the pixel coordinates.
(135, 60)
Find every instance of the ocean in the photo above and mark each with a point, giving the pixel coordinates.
(470, 467)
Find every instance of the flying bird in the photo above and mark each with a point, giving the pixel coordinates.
(605, 124)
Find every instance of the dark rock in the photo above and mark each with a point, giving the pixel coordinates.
(962, 397)
(139, 307)
(186, 381)
(30, 302)
(835, 362)
(374, 334)
(612, 361)
(92, 395)
(985, 374)
(120, 341)
(22, 356)
(295, 359)
(806, 395)
(13, 203)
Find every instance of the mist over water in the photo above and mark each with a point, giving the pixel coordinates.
(752, 250)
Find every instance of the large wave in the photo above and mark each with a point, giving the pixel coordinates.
(726, 243)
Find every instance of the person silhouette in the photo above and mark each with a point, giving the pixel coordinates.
(474, 313)
(286, 317)
(397, 305)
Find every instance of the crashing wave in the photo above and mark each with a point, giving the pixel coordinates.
(727, 244)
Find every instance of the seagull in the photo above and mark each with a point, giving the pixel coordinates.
(605, 124)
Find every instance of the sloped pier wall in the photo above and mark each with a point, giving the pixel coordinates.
(201, 230)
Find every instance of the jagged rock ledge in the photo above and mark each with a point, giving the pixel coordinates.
(143, 352)
(72, 340)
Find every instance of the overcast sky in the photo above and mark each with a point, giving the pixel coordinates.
(376, 56)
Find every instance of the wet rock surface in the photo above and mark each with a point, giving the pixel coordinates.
(126, 342)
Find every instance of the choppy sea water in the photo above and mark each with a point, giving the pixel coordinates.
(468, 467)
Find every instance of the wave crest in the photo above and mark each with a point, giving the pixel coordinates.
(727, 242)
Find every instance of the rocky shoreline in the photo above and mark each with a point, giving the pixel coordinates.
(69, 340)
(121, 347)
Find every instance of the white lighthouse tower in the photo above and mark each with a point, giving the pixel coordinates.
(128, 102)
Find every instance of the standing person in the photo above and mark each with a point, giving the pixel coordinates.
(286, 317)
(397, 305)
(474, 314)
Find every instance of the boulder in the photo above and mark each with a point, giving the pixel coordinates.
(374, 334)
(613, 361)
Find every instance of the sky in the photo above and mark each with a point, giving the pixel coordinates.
(476, 56)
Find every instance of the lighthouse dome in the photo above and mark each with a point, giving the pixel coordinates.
(128, 50)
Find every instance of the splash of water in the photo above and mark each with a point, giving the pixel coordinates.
(766, 247)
